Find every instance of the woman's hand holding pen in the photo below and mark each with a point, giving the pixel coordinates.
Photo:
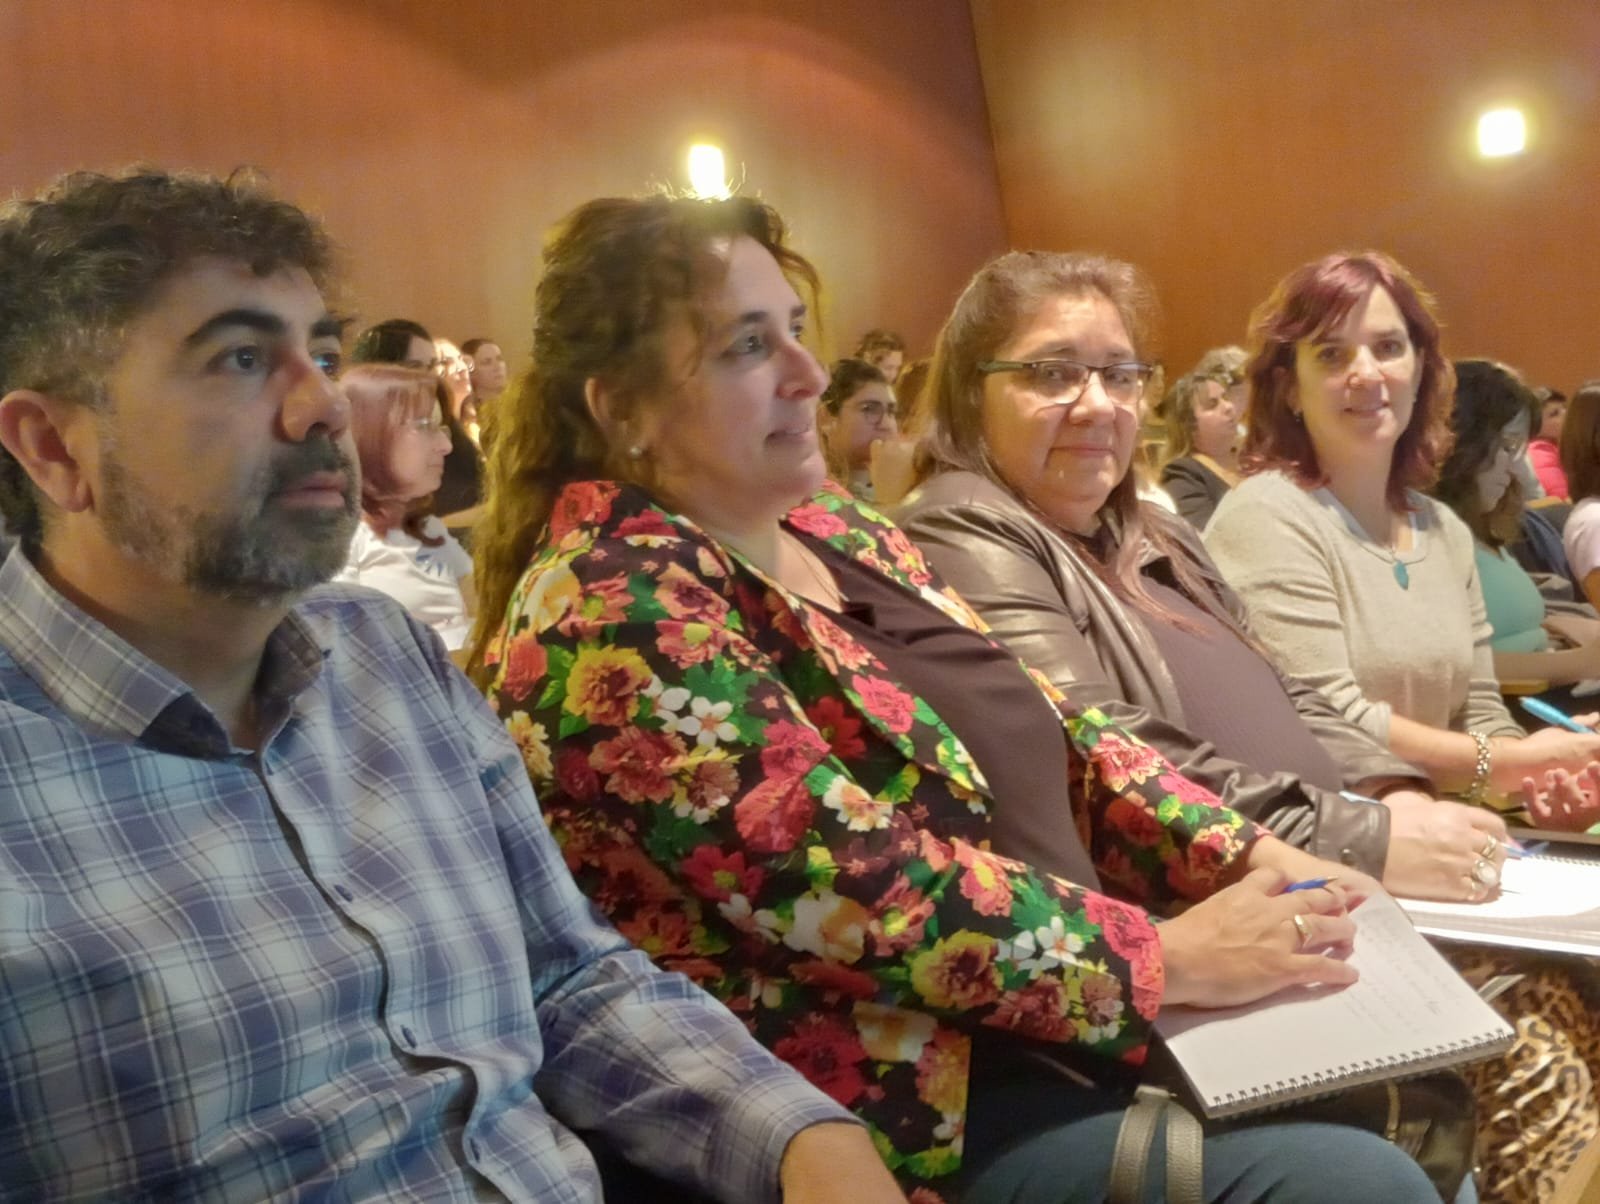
(1254, 938)
(1566, 800)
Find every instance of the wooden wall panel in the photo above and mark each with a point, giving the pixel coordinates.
(440, 140)
(1218, 143)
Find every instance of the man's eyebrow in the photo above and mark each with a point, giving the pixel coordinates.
(330, 326)
(250, 319)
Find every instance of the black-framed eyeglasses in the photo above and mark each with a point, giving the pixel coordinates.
(1063, 381)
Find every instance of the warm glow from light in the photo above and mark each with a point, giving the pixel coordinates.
(708, 176)
(1502, 132)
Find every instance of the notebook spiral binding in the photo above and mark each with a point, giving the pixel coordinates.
(1313, 1086)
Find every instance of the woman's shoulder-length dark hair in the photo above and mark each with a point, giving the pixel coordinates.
(1580, 442)
(1488, 397)
(1309, 301)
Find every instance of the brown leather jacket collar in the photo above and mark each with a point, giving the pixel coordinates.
(1029, 584)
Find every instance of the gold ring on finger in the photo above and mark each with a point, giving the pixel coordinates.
(1485, 874)
(1303, 926)
(1490, 844)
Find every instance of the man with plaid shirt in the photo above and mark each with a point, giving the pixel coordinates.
(278, 916)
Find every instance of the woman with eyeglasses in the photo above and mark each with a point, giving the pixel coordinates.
(857, 410)
(1030, 510)
(774, 748)
(400, 547)
(406, 343)
(1202, 413)
(1491, 420)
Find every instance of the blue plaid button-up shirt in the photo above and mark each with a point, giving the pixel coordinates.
(349, 967)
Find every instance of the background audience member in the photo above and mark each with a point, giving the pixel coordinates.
(1490, 421)
(395, 341)
(857, 411)
(1580, 463)
(404, 342)
(1352, 579)
(1117, 603)
(885, 351)
(1203, 412)
(488, 374)
(908, 391)
(455, 369)
(400, 547)
(768, 742)
(1544, 450)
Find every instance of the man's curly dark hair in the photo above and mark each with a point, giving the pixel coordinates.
(84, 258)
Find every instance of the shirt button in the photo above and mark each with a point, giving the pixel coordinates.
(343, 892)
(410, 1037)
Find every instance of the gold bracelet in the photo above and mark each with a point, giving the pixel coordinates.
(1478, 791)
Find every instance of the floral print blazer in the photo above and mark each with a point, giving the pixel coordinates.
(754, 800)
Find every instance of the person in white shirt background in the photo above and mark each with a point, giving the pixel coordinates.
(400, 547)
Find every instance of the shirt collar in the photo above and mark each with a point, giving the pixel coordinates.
(108, 686)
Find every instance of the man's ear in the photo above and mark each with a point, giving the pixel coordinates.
(43, 433)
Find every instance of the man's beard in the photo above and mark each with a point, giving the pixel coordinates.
(258, 553)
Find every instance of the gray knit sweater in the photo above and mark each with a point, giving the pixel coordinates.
(1324, 597)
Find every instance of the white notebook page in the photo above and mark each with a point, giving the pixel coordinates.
(1409, 1012)
(1549, 902)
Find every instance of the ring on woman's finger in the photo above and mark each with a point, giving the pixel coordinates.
(1303, 926)
(1475, 889)
(1485, 873)
(1490, 844)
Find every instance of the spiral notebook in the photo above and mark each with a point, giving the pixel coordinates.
(1409, 1013)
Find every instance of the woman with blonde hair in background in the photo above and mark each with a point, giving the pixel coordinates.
(1202, 411)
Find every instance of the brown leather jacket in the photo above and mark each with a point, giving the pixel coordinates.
(1041, 599)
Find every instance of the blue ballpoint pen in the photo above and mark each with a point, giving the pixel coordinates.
(1540, 709)
(1308, 884)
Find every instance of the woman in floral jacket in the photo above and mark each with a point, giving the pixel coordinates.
(742, 715)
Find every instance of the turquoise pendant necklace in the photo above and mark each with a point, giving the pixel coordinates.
(1402, 574)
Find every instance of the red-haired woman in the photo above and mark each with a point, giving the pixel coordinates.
(400, 548)
(1363, 586)
(1357, 582)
